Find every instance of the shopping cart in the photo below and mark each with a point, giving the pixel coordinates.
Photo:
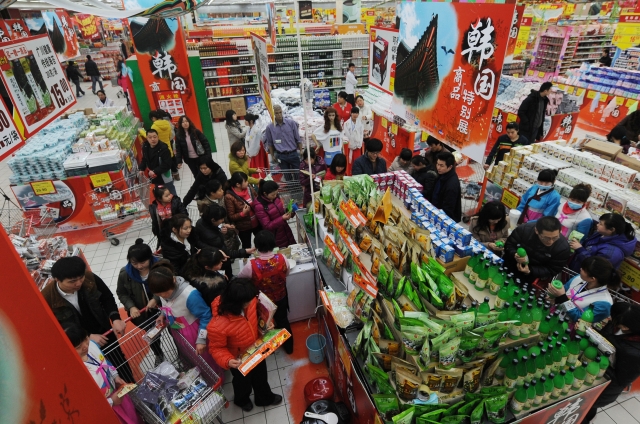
(288, 182)
(122, 205)
(139, 357)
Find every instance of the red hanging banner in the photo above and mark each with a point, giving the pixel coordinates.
(88, 25)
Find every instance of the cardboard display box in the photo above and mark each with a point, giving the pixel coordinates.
(602, 149)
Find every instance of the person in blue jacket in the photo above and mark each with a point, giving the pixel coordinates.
(573, 213)
(541, 199)
(614, 239)
(590, 288)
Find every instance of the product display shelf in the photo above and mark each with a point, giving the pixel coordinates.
(628, 59)
(547, 54)
(585, 49)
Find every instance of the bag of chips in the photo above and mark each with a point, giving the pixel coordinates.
(387, 405)
(496, 408)
(471, 380)
(450, 379)
(448, 352)
(405, 417)
(476, 415)
(407, 384)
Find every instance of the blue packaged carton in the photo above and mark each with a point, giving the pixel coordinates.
(446, 254)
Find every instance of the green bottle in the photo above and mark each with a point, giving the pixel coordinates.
(503, 296)
(514, 329)
(483, 276)
(562, 326)
(531, 394)
(522, 351)
(513, 309)
(497, 282)
(514, 353)
(548, 358)
(579, 376)
(526, 318)
(557, 359)
(482, 317)
(545, 326)
(470, 264)
(555, 337)
(539, 391)
(590, 353)
(519, 400)
(573, 350)
(564, 350)
(536, 348)
(548, 387)
(554, 320)
(568, 380)
(541, 364)
(522, 253)
(548, 342)
(516, 296)
(512, 287)
(511, 376)
(558, 384)
(504, 363)
(592, 372)
(536, 316)
(522, 371)
(585, 321)
(531, 368)
(504, 313)
(473, 276)
(584, 344)
(604, 364)
(493, 270)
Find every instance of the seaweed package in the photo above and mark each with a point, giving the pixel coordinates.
(387, 331)
(397, 310)
(489, 374)
(468, 408)
(406, 304)
(496, 408)
(426, 320)
(405, 417)
(431, 417)
(382, 277)
(447, 291)
(447, 351)
(390, 347)
(411, 294)
(471, 380)
(468, 347)
(325, 193)
(384, 360)
(407, 384)
(450, 379)
(397, 363)
(477, 413)
(464, 321)
(387, 405)
(364, 335)
(380, 379)
(435, 300)
(437, 342)
(400, 288)
(454, 419)
(425, 353)
(491, 340)
(378, 326)
(453, 409)
(432, 381)
(413, 339)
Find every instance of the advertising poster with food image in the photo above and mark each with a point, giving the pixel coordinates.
(448, 66)
(13, 29)
(62, 35)
(36, 83)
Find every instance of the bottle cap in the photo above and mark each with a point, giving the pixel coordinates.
(543, 378)
(486, 299)
(557, 284)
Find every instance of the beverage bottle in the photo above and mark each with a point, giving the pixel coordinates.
(514, 329)
(531, 368)
(585, 321)
(592, 372)
(539, 391)
(523, 302)
(522, 253)
(522, 371)
(504, 363)
(604, 364)
(522, 351)
(531, 394)
(513, 309)
(513, 286)
(556, 284)
(541, 363)
(482, 317)
(474, 308)
(497, 283)
(557, 359)
(503, 296)
(545, 326)
(562, 326)
(548, 359)
(470, 264)
(568, 380)
(515, 296)
(475, 271)
(548, 387)
(483, 276)
(573, 351)
(558, 384)
(511, 375)
(584, 344)
(527, 319)
(555, 337)
(564, 350)
(554, 319)
(536, 348)
(519, 400)
(493, 270)
(504, 313)
(536, 316)
(579, 375)
(590, 353)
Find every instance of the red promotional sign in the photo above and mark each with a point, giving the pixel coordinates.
(171, 102)
(10, 139)
(393, 137)
(13, 29)
(88, 25)
(383, 51)
(449, 67)
(518, 20)
(63, 36)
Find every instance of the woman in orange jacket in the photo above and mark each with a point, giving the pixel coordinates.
(231, 331)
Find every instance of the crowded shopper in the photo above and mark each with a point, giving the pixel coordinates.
(163, 128)
(282, 139)
(201, 271)
(505, 143)
(164, 206)
(79, 297)
(103, 101)
(618, 135)
(435, 148)
(605, 60)
(178, 241)
(350, 84)
(338, 168)
(239, 162)
(272, 214)
(425, 174)
(532, 111)
(631, 123)
(353, 132)
(74, 75)
(329, 138)
(209, 170)
(541, 199)
(447, 194)
(573, 213)
(318, 170)
(490, 227)
(231, 331)
(613, 239)
(92, 71)
(235, 130)
(403, 161)
(209, 193)
(156, 161)
(342, 108)
(256, 152)
(191, 145)
(371, 162)
(547, 250)
(366, 116)
(268, 272)
(239, 200)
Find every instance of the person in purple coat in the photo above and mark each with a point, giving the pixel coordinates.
(317, 166)
(272, 213)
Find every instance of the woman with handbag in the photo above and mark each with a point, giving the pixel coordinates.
(238, 201)
(191, 145)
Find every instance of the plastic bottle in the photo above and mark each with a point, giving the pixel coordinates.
(522, 253)
(592, 372)
(590, 353)
(562, 326)
(536, 316)
(585, 321)
(470, 264)
(504, 313)
(563, 349)
(483, 276)
(515, 296)
(579, 375)
(536, 348)
(522, 351)
(497, 282)
(548, 359)
(539, 391)
(473, 276)
(573, 351)
(531, 394)
(504, 363)
(548, 387)
(503, 297)
(541, 363)
(545, 326)
(522, 370)
(513, 309)
(568, 380)
(556, 284)
(558, 384)
(604, 364)
(531, 368)
(514, 329)
(584, 344)
(526, 318)
(511, 376)
(519, 400)
(483, 310)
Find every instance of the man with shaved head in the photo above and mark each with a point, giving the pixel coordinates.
(282, 139)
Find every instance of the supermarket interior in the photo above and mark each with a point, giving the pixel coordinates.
(320, 212)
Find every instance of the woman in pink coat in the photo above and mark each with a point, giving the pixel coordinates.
(272, 214)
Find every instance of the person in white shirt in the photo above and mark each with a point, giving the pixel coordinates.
(329, 137)
(353, 137)
(350, 85)
(366, 116)
(103, 101)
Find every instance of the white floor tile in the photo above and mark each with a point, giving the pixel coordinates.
(611, 405)
(277, 415)
(111, 264)
(603, 418)
(227, 389)
(260, 418)
(285, 375)
(274, 379)
(256, 409)
(271, 363)
(620, 415)
(632, 406)
(232, 413)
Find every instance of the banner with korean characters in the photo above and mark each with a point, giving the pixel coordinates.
(259, 45)
(13, 29)
(10, 139)
(627, 33)
(36, 83)
(383, 50)
(62, 34)
(517, 20)
(449, 61)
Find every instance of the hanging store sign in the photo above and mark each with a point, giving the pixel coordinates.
(171, 102)
(88, 25)
(515, 30)
(383, 51)
(627, 33)
(63, 36)
(35, 81)
(259, 45)
(13, 29)
(523, 34)
(10, 140)
(271, 23)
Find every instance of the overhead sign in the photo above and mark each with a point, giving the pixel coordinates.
(63, 36)
(10, 139)
(13, 29)
(383, 50)
(88, 25)
(627, 33)
(259, 45)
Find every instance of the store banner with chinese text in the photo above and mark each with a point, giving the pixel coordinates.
(88, 25)
(271, 23)
(259, 46)
(515, 30)
(36, 83)
(171, 102)
(63, 36)
(523, 34)
(383, 49)
(13, 29)
(163, 62)
(627, 31)
(448, 67)
(10, 139)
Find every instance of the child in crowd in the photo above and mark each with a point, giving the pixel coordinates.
(318, 169)
(178, 241)
(338, 168)
(163, 208)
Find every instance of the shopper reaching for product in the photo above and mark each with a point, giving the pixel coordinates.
(239, 162)
(272, 214)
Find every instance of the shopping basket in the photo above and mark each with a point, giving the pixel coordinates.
(140, 358)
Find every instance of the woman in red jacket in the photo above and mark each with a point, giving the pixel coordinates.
(231, 331)
(272, 214)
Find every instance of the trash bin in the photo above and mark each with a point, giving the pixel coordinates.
(315, 346)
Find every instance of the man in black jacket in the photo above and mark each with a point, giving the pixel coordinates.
(547, 249)
(74, 75)
(446, 192)
(91, 69)
(157, 159)
(370, 163)
(532, 112)
(425, 174)
(78, 296)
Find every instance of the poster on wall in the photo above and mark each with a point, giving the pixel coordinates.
(10, 140)
(112, 24)
(348, 11)
(271, 22)
(170, 101)
(13, 29)
(448, 66)
(394, 138)
(382, 51)
(36, 83)
(306, 9)
(63, 36)
(88, 25)
(515, 31)
(259, 45)
(35, 23)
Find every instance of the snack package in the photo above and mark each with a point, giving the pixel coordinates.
(432, 381)
(390, 347)
(405, 417)
(468, 408)
(387, 405)
(496, 408)
(431, 417)
(407, 384)
(397, 363)
(425, 353)
(384, 360)
(453, 409)
(413, 340)
(454, 419)
(468, 347)
(448, 353)
(476, 414)
(450, 379)
(471, 379)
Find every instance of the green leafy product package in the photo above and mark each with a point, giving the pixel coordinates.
(468, 408)
(454, 419)
(468, 348)
(448, 353)
(476, 414)
(383, 276)
(453, 409)
(433, 416)
(405, 417)
(388, 405)
(496, 407)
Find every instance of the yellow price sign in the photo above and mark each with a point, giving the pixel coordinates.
(619, 101)
(496, 111)
(530, 73)
(384, 122)
(424, 136)
(603, 97)
(392, 84)
(570, 90)
(127, 160)
(561, 87)
(394, 129)
(99, 180)
(630, 275)
(541, 74)
(43, 187)
(511, 117)
(631, 102)
(579, 91)
(516, 75)
(591, 94)
(509, 199)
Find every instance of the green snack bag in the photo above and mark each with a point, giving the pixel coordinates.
(476, 415)
(387, 405)
(390, 282)
(448, 353)
(424, 409)
(425, 318)
(397, 308)
(468, 348)
(325, 193)
(400, 288)
(493, 391)
(433, 416)
(453, 409)
(425, 353)
(468, 408)
(435, 300)
(387, 332)
(464, 321)
(383, 276)
(446, 288)
(496, 408)
(491, 340)
(454, 419)
(405, 417)
(417, 275)
(413, 340)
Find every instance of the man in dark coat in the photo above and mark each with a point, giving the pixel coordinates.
(74, 75)
(547, 249)
(532, 112)
(91, 69)
(446, 192)
(425, 174)
(157, 159)
(370, 163)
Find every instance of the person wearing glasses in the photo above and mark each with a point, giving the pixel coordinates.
(371, 162)
(547, 249)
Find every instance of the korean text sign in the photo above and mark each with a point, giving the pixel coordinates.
(35, 81)
(63, 36)
(259, 45)
(10, 140)
(382, 51)
(448, 68)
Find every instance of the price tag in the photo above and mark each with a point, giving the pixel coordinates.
(496, 112)
(392, 83)
(629, 274)
(384, 122)
(511, 117)
(590, 94)
(127, 160)
(424, 136)
(630, 102)
(394, 129)
(516, 75)
(541, 74)
(561, 87)
(604, 97)
(43, 187)
(579, 91)
(530, 73)
(509, 199)
(99, 180)
(570, 90)
(619, 101)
